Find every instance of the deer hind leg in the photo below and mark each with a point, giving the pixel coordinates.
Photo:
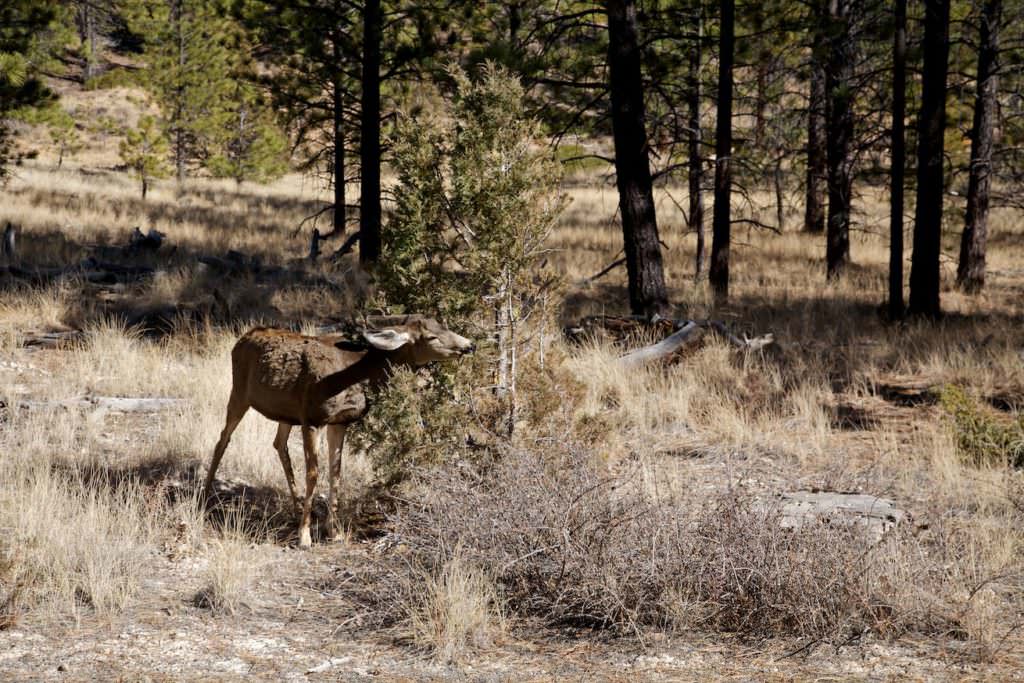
(237, 407)
(309, 448)
(284, 430)
(335, 448)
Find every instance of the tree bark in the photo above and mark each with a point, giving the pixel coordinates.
(924, 266)
(780, 193)
(647, 292)
(180, 146)
(369, 148)
(722, 219)
(338, 104)
(971, 270)
(839, 130)
(695, 166)
(817, 155)
(899, 160)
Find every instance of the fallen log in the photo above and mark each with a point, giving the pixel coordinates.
(52, 340)
(113, 404)
(688, 334)
(875, 515)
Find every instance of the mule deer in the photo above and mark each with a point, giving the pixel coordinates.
(316, 382)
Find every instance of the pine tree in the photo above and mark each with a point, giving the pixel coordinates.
(190, 55)
(144, 150)
(252, 146)
(23, 24)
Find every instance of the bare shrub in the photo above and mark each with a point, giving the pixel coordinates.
(569, 543)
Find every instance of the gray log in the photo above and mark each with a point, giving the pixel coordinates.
(688, 334)
(114, 404)
(875, 515)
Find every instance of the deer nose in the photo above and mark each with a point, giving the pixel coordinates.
(469, 349)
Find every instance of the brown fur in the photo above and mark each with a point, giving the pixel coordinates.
(316, 382)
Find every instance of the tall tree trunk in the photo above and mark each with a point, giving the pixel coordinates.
(899, 160)
(87, 36)
(722, 219)
(369, 147)
(817, 155)
(971, 270)
(338, 105)
(839, 129)
(924, 266)
(647, 292)
(695, 166)
(180, 144)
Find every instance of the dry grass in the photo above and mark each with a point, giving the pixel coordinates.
(675, 459)
(234, 563)
(70, 542)
(455, 610)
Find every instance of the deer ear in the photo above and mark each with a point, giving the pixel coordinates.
(387, 340)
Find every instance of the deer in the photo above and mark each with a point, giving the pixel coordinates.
(322, 382)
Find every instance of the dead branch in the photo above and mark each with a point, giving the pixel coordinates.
(607, 269)
(687, 334)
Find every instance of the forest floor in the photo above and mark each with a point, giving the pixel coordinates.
(118, 575)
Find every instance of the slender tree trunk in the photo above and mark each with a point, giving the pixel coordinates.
(145, 187)
(180, 144)
(722, 219)
(924, 266)
(839, 128)
(899, 160)
(817, 154)
(338, 105)
(647, 292)
(971, 270)
(87, 36)
(369, 147)
(780, 193)
(696, 167)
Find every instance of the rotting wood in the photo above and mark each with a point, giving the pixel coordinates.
(687, 333)
(51, 340)
(876, 515)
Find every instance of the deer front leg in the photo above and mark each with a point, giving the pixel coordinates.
(309, 448)
(284, 430)
(335, 448)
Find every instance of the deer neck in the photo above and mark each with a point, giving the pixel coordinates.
(372, 368)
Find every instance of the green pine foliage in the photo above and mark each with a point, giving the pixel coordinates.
(144, 151)
(25, 29)
(193, 56)
(477, 195)
(982, 438)
(253, 147)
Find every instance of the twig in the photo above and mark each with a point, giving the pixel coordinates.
(607, 269)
